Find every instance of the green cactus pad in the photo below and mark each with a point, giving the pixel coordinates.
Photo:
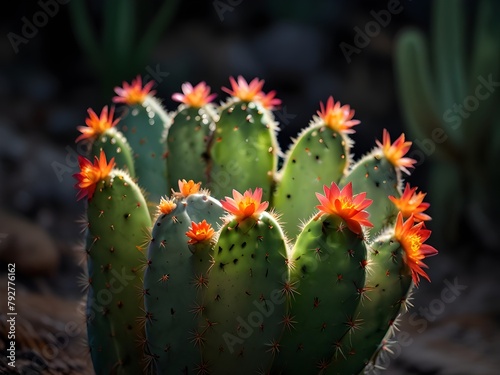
(114, 144)
(244, 300)
(387, 285)
(144, 126)
(188, 138)
(118, 223)
(318, 157)
(244, 150)
(376, 176)
(175, 280)
(327, 274)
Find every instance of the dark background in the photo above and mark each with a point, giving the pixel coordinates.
(47, 86)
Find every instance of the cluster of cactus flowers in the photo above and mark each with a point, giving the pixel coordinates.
(302, 270)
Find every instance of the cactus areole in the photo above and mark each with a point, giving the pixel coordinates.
(229, 265)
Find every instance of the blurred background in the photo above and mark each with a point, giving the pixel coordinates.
(426, 68)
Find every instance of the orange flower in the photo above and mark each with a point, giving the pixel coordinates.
(412, 203)
(395, 152)
(90, 174)
(186, 188)
(343, 204)
(200, 232)
(246, 205)
(412, 238)
(268, 100)
(97, 125)
(243, 90)
(133, 93)
(166, 206)
(196, 96)
(337, 117)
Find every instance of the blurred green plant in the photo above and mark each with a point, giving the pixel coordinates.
(128, 33)
(448, 90)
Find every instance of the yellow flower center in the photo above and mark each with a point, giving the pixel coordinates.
(334, 119)
(415, 242)
(92, 175)
(247, 205)
(346, 203)
(196, 98)
(135, 95)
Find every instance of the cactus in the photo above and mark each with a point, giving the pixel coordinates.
(194, 120)
(328, 267)
(319, 156)
(223, 289)
(379, 175)
(102, 133)
(243, 300)
(394, 268)
(447, 89)
(118, 222)
(244, 140)
(144, 124)
(176, 276)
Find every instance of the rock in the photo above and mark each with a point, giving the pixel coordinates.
(29, 247)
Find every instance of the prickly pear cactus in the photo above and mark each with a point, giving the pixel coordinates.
(118, 222)
(244, 300)
(102, 133)
(190, 134)
(328, 266)
(176, 277)
(144, 123)
(319, 156)
(244, 140)
(222, 288)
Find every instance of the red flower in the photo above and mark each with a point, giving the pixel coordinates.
(343, 204)
(412, 238)
(395, 152)
(133, 93)
(186, 188)
(246, 205)
(196, 96)
(90, 174)
(337, 117)
(200, 232)
(166, 206)
(243, 90)
(412, 203)
(97, 125)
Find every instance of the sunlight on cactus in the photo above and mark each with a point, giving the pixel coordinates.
(302, 270)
